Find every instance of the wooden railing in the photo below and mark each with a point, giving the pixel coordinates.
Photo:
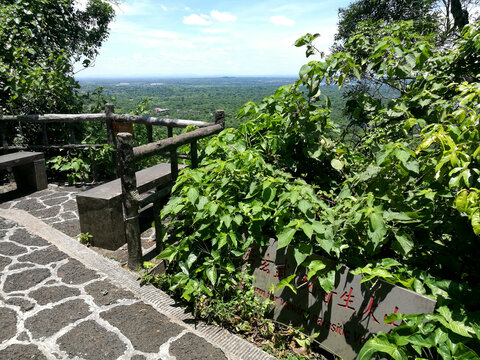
(127, 155)
(108, 117)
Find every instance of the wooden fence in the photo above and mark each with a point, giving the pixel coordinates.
(126, 156)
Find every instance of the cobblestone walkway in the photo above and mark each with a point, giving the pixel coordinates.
(55, 206)
(60, 300)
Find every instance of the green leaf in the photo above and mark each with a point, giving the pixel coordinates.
(301, 252)
(304, 205)
(169, 253)
(381, 343)
(307, 229)
(285, 237)
(337, 164)
(461, 201)
(314, 267)
(212, 274)
(268, 195)
(327, 282)
(286, 282)
(404, 242)
(192, 195)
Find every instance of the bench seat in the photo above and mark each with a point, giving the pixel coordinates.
(28, 169)
(100, 208)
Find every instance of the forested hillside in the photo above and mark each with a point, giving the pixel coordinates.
(196, 98)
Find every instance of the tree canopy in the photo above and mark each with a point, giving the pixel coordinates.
(40, 40)
(445, 17)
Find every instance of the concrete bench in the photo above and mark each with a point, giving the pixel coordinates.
(100, 208)
(28, 169)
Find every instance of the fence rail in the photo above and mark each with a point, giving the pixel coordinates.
(126, 156)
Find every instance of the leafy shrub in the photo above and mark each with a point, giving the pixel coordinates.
(401, 205)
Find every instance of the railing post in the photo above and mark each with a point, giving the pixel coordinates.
(72, 133)
(194, 154)
(149, 133)
(44, 134)
(157, 218)
(130, 198)
(109, 110)
(174, 163)
(169, 131)
(220, 117)
(3, 130)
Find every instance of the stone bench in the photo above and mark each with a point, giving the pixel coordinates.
(100, 208)
(28, 169)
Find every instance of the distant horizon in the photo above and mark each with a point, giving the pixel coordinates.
(150, 77)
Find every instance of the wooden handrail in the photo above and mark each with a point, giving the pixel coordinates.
(170, 144)
(126, 118)
(149, 120)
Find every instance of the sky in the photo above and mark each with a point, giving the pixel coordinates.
(155, 38)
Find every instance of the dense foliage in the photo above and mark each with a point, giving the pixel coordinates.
(40, 40)
(401, 204)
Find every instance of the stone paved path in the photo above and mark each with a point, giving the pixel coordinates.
(57, 206)
(60, 300)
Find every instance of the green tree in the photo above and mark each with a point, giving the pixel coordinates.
(40, 40)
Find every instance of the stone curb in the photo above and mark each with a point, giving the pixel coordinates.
(234, 347)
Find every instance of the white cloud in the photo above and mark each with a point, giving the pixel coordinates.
(223, 16)
(214, 31)
(281, 20)
(163, 7)
(195, 19)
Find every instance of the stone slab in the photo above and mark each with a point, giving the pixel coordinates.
(344, 318)
(146, 329)
(18, 158)
(90, 341)
(100, 208)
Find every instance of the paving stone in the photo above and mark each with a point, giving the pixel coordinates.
(52, 294)
(71, 205)
(8, 329)
(20, 266)
(89, 340)
(25, 279)
(43, 194)
(74, 272)
(47, 322)
(23, 237)
(105, 293)
(46, 212)
(22, 352)
(69, 215)
(55, 200)
(4, 262)
(3, 235)
(29, 205)
(24, 304)
(5, 224)
(69, 227)
(144, 326)
(44, 256)
(11, 249)
(23, 336)
(138, 357)
(49, 194)
(193, 347)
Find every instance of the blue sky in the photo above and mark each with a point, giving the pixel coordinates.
(212, 38)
